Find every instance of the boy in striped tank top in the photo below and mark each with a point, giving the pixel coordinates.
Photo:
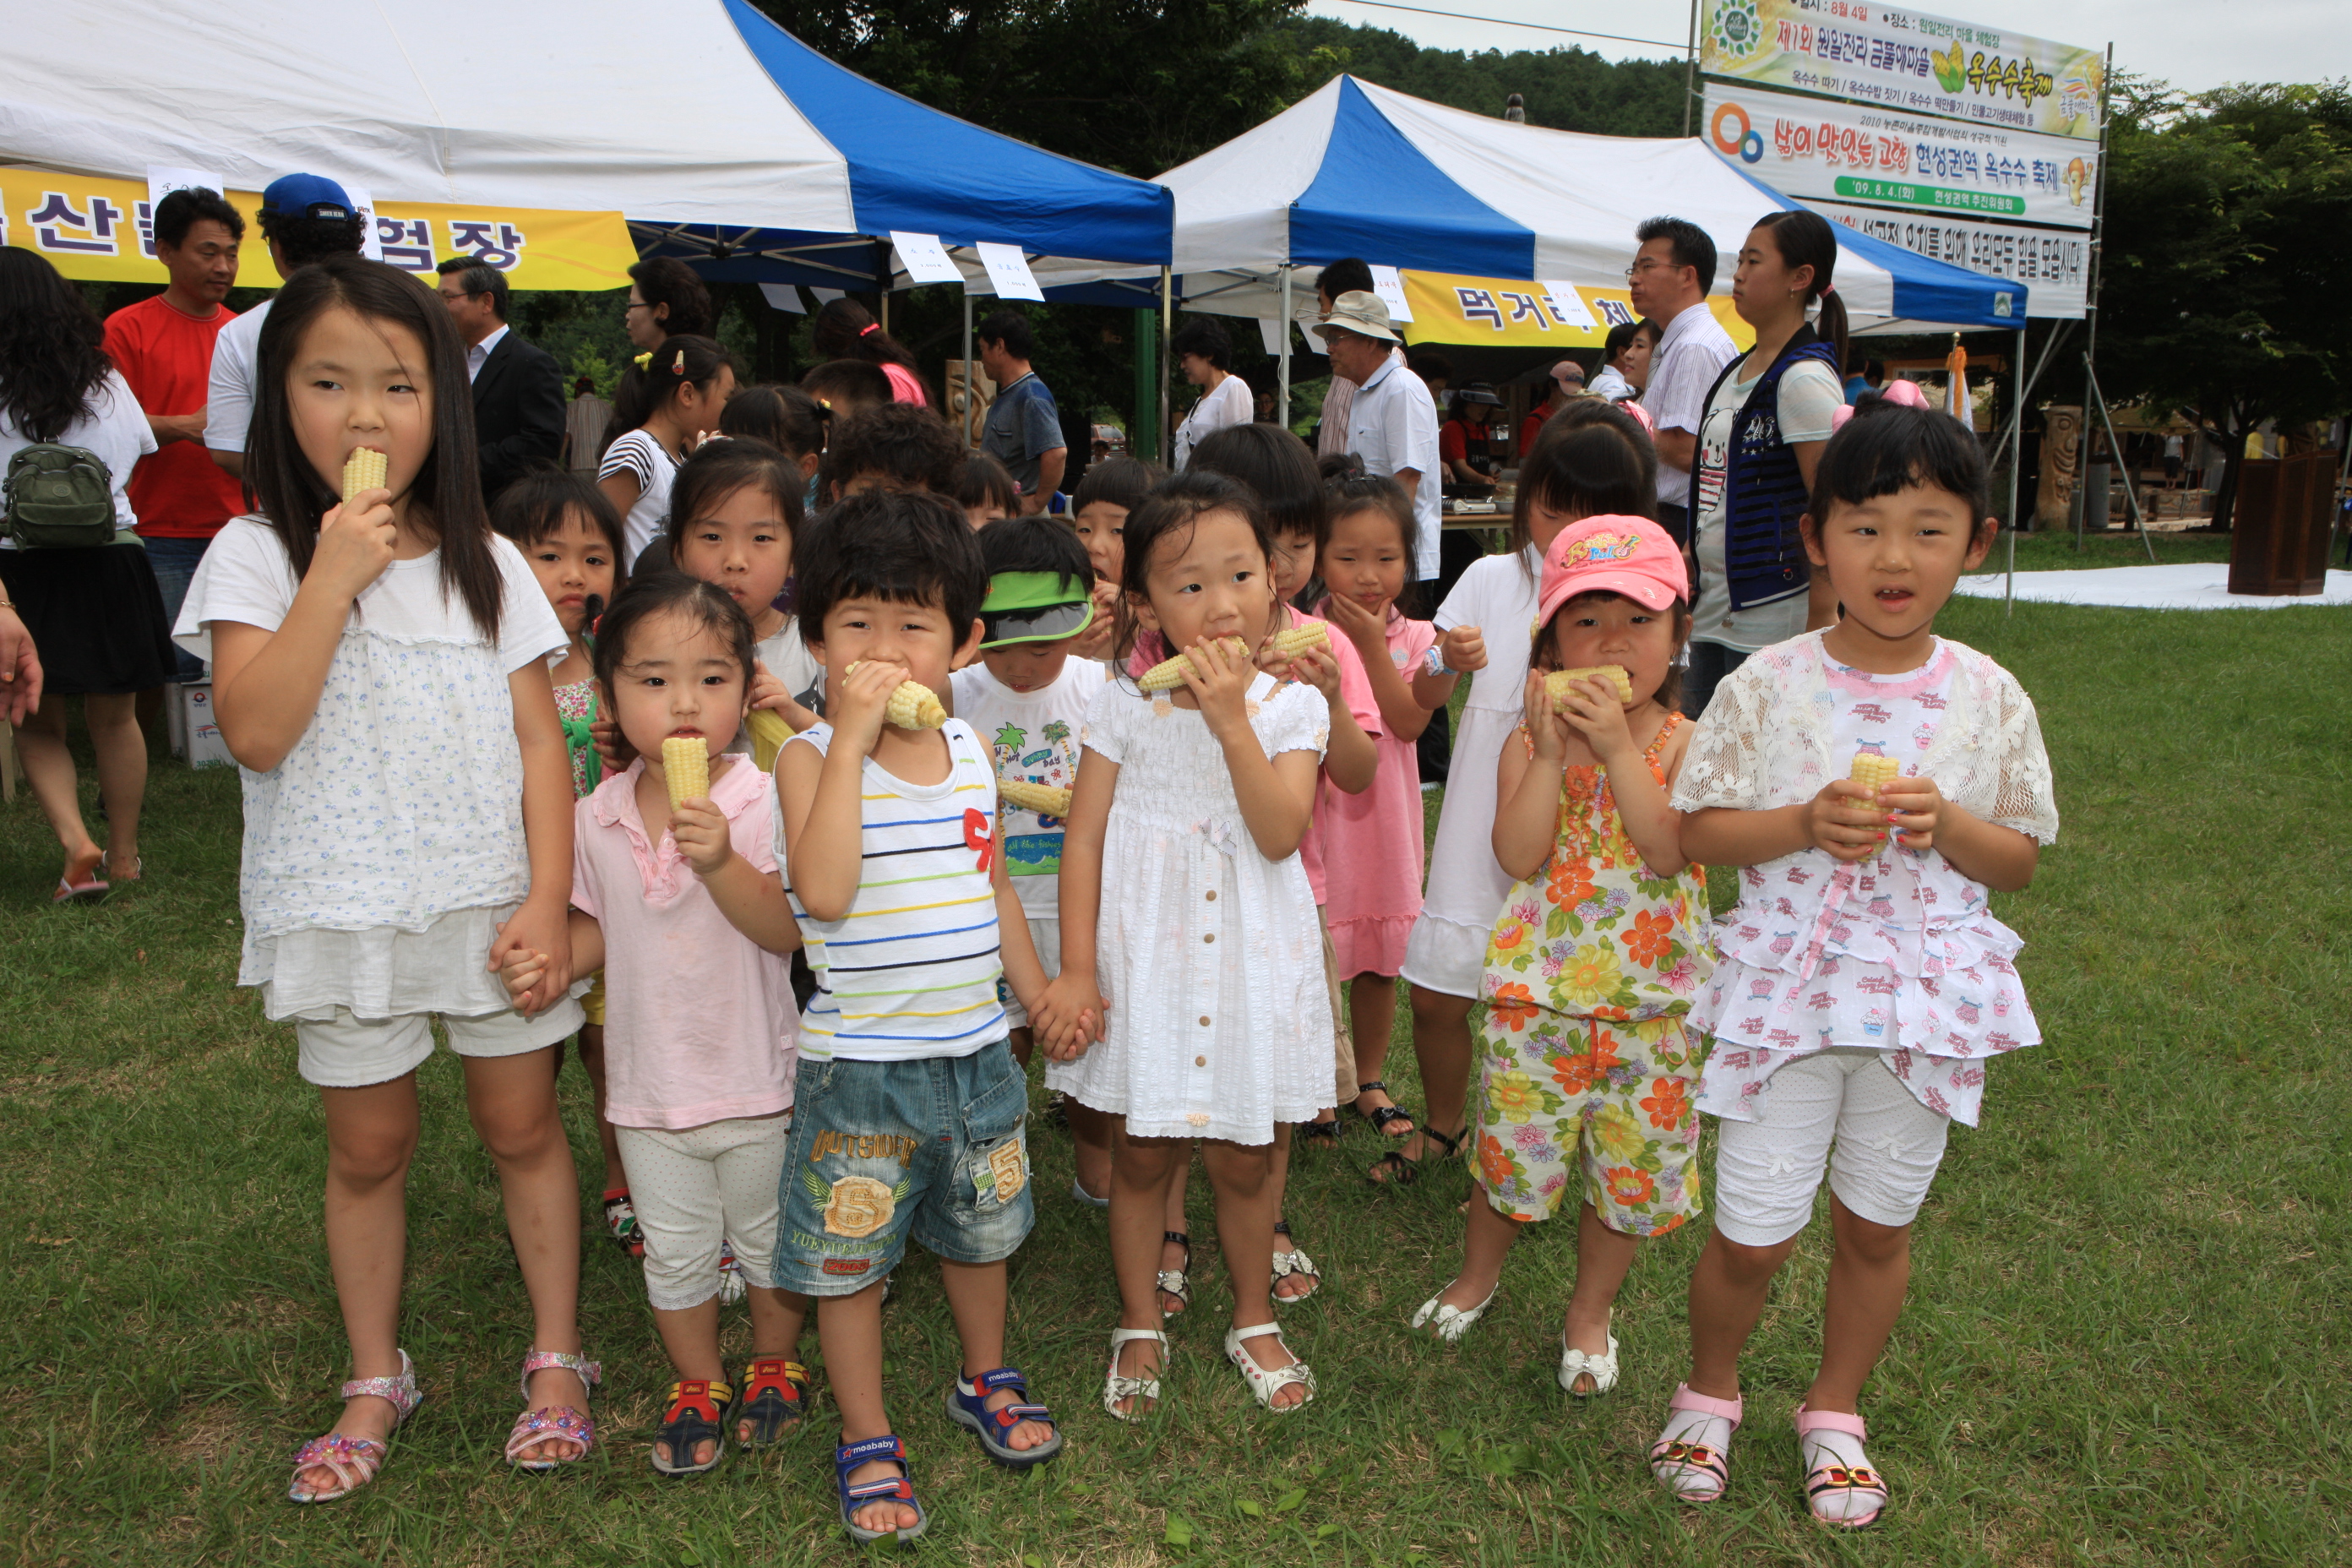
(910, 1102)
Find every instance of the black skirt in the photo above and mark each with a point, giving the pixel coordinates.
(96, 616)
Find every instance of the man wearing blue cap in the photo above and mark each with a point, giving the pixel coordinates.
(304, 218)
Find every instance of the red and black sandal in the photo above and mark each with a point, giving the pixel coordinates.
(773, 1402)
(696, 1409)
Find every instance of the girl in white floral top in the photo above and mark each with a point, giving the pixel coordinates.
(1863, 982)
(380, 674)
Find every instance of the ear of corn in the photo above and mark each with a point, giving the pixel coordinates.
(913, 706)
(1297, 640)
(686, 769)
(1168, 673)
(768, 734)
(365, 470)
(1044, 799)
(1556, 683)
(1875, 770)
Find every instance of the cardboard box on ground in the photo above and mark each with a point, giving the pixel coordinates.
(188, 719)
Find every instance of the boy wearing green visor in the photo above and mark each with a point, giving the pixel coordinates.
(1027, 697)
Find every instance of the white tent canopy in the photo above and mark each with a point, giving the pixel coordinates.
(594, 105)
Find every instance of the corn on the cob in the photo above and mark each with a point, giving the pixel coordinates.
(1556, 683)
(913, 706)
(1168, 673)
(1295, 640)
(1044, 799)
(365, 470)
(769, 732)
(686, 768)
(1875, 770)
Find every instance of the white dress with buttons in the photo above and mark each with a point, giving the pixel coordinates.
(1209, 953)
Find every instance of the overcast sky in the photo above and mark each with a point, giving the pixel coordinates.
(2190, 43)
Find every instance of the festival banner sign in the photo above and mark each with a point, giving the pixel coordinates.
(103, 230)
(1514, 314)
(2053, 264)
(1907, 61)
(1816, 150)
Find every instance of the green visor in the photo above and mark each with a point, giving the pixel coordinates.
(1033, 607)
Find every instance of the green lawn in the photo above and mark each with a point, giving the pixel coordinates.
(2126, 1341)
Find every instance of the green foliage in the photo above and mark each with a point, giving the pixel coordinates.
(1564, 89)
(2226, 264)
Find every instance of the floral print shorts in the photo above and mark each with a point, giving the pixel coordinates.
(1561, 1096)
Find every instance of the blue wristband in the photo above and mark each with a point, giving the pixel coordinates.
(1434, 662)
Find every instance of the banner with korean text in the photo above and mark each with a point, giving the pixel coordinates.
(1451, 309)
(2053, 264)
(1816, 150)
(1907, 61)
(101, 231)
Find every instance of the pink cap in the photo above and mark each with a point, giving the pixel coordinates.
(1628, 555)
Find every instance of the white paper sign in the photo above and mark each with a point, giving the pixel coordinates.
(363, 207)
(1008, 269)
(827, 296)
(1270, 331)
(783, 297)
(1389, 284)
(923, 258)
(162, 182)
(1568, 305)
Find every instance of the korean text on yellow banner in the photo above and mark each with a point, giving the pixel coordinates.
(103, 230)
(1448, 307)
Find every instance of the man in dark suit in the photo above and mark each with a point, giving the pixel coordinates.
(518, 389)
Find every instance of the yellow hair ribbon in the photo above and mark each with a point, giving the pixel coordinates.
(645, 360)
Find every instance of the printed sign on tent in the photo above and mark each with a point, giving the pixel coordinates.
(1008, 269)
(1389, 284)
(2053, 263)
(1819, 151)
(923, 258)
(162, 182)
(1511, 313)
(783, 297)
(1567, 306)
(1906, 61)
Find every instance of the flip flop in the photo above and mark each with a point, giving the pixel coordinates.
(83, 892)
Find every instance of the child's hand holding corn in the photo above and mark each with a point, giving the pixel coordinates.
(1593, 702)
(1845, 818)
(356, 537)
(1915, 807)
(1219, 678)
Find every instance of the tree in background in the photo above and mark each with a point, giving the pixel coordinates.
(1565, 89)
(2228, 259)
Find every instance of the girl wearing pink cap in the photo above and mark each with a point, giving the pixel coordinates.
(1584, 1070)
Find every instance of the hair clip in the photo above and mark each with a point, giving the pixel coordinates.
(869, 329)
(1828, 288)
(825, 404)
(645, 360)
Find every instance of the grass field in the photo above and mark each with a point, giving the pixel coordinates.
(2126, 1341)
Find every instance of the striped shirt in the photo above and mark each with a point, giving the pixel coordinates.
(911, 971)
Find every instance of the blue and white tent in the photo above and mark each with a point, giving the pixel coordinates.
(1356, 169)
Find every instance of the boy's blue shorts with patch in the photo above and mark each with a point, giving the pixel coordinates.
(934, 1149)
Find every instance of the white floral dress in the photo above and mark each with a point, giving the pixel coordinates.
(1899, 953)
(1209, 953)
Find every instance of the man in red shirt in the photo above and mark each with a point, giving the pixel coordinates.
(164, 346)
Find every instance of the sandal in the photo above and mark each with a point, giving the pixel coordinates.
(1849, 1496)
(1173, 1282)
(1575, 1363)
(356, 1461)
(993, 1426)
(902, 1487)
(1264, 1383)
(620, 1223)
(696, 1409)
(1401, 1172)
(1293, 1261)
(1450, 1323)
(1383, 1116)
(1694, 1472)
(558, 1421)
(91, 888)
(773, 1399)
(1318, 1131)
(1117, 1386)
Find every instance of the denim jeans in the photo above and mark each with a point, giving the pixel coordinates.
(174, 564)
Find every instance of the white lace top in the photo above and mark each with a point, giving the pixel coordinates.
(1901, 953)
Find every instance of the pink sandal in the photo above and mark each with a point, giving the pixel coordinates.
(356, 1461)
(1694, 1472)
(1833, 1484)
(555, 1421)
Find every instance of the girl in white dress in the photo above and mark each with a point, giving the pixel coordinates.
(1206, 967)
(380, 674)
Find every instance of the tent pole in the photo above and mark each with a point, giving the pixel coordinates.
(1167, 330)
(2091, 310)
(1282, 402)
(1690, 66)
(967, 365)
(2016, 460)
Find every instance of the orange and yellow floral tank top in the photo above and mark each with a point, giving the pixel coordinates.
(1592, 933)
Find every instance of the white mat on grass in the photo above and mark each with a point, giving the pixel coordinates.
(2192, 585)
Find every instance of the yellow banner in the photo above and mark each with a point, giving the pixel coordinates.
(1514, 314)
(99, 229)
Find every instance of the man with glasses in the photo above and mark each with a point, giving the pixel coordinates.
(1669, 280)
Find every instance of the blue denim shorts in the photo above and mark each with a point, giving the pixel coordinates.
(934, 1149)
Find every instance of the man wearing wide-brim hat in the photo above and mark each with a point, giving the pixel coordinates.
(1392, 424)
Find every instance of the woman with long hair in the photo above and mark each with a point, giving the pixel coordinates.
(846, 330)
(94, 610)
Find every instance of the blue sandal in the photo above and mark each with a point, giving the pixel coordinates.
(968, 1406)
(902, 1487)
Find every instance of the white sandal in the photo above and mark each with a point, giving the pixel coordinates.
(1117, 1387)
(1575, 1363)
(1264, 1383)
(1450, 1323)
(1293, 1261)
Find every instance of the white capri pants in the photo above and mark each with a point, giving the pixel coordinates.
(1767, 1171)
(696, 1188)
